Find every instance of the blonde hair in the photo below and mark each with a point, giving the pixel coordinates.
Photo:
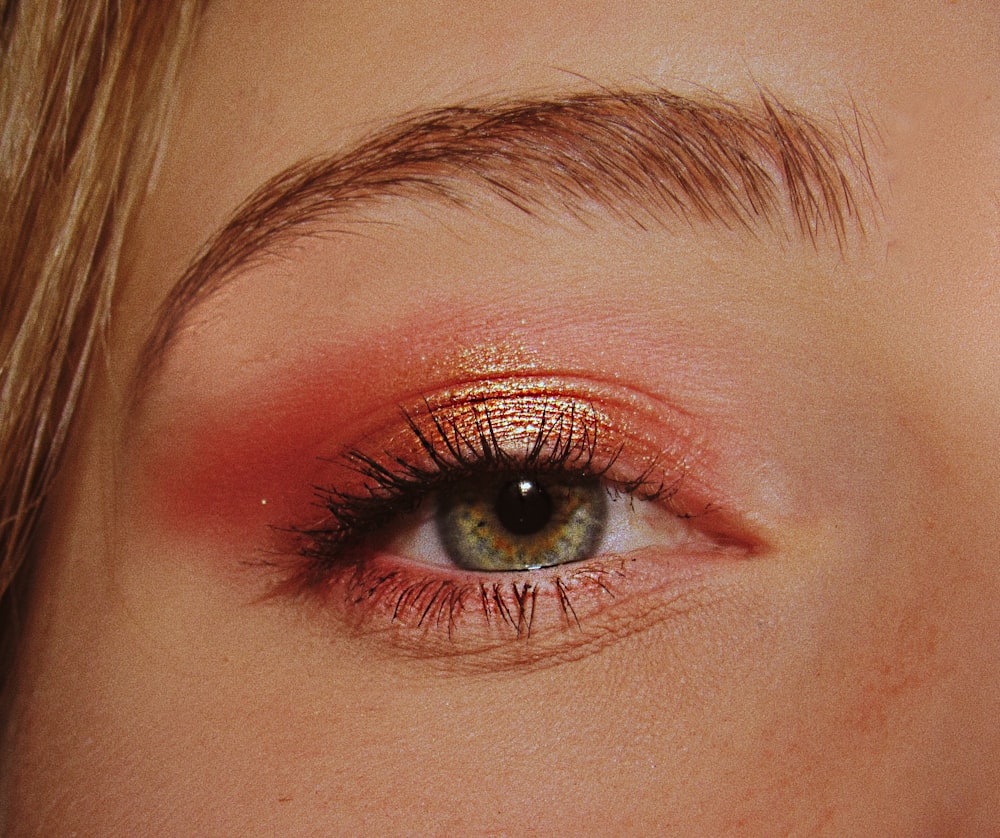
(85, 95)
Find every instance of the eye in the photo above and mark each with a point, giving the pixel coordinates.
(526, 522)
(507, 515)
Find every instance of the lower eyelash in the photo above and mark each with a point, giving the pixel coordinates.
(509, 605)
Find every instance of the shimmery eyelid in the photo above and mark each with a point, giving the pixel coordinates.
(523, 413)
(460, 435)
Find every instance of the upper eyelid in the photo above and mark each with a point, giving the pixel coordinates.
(639, 154)
(520, 400)
(381, 468)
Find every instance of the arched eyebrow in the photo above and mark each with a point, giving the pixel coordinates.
(641, 156)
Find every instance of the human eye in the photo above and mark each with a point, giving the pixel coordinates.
(517, 518)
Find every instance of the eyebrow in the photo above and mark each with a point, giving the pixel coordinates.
(641, 156)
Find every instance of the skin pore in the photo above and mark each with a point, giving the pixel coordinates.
(807, 646)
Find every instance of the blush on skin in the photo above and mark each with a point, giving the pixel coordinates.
(236, 471)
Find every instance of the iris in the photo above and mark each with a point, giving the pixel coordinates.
(521, 522)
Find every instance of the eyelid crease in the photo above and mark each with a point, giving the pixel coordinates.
(643, 156)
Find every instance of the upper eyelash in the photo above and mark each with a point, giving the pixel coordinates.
(565, 442)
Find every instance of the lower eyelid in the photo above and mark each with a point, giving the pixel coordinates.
(488, 621)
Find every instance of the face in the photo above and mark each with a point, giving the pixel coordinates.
(544, 467)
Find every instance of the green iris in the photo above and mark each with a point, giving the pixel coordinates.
(521, 522)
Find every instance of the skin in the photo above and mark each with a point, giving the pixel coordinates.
(841, 681)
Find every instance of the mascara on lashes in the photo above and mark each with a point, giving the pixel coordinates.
(529, 438)
(453, 449)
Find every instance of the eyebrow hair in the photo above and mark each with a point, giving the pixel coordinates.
(640, 156)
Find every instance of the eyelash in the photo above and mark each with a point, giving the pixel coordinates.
(394, 485)
(435, 447)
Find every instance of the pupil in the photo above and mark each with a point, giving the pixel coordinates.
(524, 507)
